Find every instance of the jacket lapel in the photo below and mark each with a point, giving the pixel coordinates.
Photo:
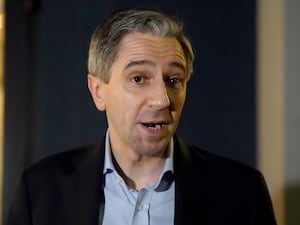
(195, 190)
(84, 185)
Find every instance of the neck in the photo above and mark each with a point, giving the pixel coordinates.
(139, 173)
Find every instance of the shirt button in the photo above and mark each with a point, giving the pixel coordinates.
(139, 207)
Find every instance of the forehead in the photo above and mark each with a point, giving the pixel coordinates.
(135, 45)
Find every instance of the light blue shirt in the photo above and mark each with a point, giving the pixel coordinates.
(152, 205)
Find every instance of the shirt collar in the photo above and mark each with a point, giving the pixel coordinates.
(108, 164)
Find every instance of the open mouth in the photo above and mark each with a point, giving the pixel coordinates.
(153, 126)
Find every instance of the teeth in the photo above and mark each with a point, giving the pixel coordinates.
(153, 126)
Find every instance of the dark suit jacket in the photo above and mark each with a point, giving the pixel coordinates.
(66, 189)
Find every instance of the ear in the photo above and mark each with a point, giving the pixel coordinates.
(95, 86)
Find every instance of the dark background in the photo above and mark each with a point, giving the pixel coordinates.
(48, 108)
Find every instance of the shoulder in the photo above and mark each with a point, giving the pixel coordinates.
(222, 173)
(220, 162)
(202, 161)
(66, 161)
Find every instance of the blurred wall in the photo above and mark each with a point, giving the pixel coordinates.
(2, 34)
(278, 92)
(292, 111)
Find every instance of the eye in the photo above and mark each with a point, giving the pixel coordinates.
(138, 79)
(174, 82)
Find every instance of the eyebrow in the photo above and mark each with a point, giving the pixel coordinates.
(139, 63)
(178, 65)
(147, 62)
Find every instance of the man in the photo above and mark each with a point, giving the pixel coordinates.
(141, 172)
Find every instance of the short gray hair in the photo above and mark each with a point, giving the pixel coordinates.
(107, 36)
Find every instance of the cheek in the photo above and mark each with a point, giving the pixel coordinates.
(177, 101)
(124, 103)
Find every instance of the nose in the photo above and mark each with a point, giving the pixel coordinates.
(159, 97)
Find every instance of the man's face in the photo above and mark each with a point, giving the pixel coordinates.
(145, 95)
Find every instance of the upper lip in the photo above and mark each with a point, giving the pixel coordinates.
(162, 122)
